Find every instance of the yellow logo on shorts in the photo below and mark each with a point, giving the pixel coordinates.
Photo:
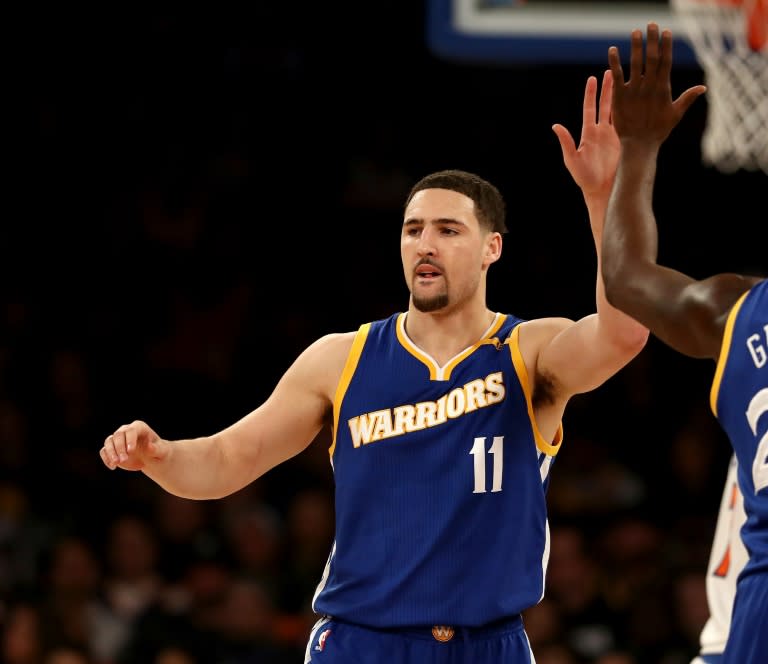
(442, 633)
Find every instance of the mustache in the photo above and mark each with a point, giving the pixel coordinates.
(427, 261)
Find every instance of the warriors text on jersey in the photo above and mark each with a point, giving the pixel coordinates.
(441, 476)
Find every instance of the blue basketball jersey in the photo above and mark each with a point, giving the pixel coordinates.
(739, 399)
(441, 476)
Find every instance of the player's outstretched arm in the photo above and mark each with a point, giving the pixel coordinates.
(582, 355)
(220, 464)
(685, 313)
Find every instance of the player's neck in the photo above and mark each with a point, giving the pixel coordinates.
(444, 334)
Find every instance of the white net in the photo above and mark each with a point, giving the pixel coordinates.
(736, 75)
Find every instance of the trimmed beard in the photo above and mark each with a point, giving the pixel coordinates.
(429, 304)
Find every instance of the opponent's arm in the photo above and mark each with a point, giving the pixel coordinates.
(685, 313)
(218, 465)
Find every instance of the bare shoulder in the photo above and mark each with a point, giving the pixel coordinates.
(548, 406)
(720, 291)
(322, 362)
(333, 347)
(534, 335)
(539, 331)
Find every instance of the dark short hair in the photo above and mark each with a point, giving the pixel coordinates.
(490, 208)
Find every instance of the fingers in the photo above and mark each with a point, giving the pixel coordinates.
(119, 446)
(652, 53)
(115, 450)
(606, 98)
(589, 109)
(567, 144)
(614, 63)
(657, 64)
(109, 454)
(684, 101)
(665, 61)
(120, 442)
(636, 57)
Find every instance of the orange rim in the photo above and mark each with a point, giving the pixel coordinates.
(757, 23)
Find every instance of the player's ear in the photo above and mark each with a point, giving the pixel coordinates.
(492, 248)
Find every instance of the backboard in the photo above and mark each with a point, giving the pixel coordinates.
(531, 32)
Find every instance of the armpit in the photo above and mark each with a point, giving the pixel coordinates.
(544, 390)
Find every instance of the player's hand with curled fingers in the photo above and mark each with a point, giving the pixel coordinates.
(643, 109)
(133, 446)
(593, 163)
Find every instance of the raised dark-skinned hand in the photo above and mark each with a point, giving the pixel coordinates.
(643, 109)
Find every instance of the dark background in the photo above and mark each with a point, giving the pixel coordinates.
(201, 194)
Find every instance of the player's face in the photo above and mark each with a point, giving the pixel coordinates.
(444, 249)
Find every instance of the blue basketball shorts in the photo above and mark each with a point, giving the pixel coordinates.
(337, 642)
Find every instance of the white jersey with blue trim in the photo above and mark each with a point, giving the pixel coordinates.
(739, 399)
(441, 477)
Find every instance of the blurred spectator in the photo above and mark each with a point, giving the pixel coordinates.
(177, 624)
(22, 637)
(131, 582)
(241, 626)
(70, 604)
(175, 655)
(309, 536)
(23, 538)
(67, 655)
(636, 576)
(574, 584)
(616, 657)
(186, 530)
(555, 653)
(254, 536)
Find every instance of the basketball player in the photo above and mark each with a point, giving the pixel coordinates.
(723, 317)
(726, 560)
(445, 418)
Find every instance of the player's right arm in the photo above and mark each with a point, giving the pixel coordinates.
(225, 462)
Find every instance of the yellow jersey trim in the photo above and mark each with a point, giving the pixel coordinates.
(724, 348)
(436, 372)
(522, 374)
(346, 377)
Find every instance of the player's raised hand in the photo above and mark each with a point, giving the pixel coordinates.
(132, 446)
(593, 163)
(643, 108)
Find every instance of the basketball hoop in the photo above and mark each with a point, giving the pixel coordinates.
(730, 40)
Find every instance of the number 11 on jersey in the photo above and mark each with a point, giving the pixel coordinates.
(479, 454)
